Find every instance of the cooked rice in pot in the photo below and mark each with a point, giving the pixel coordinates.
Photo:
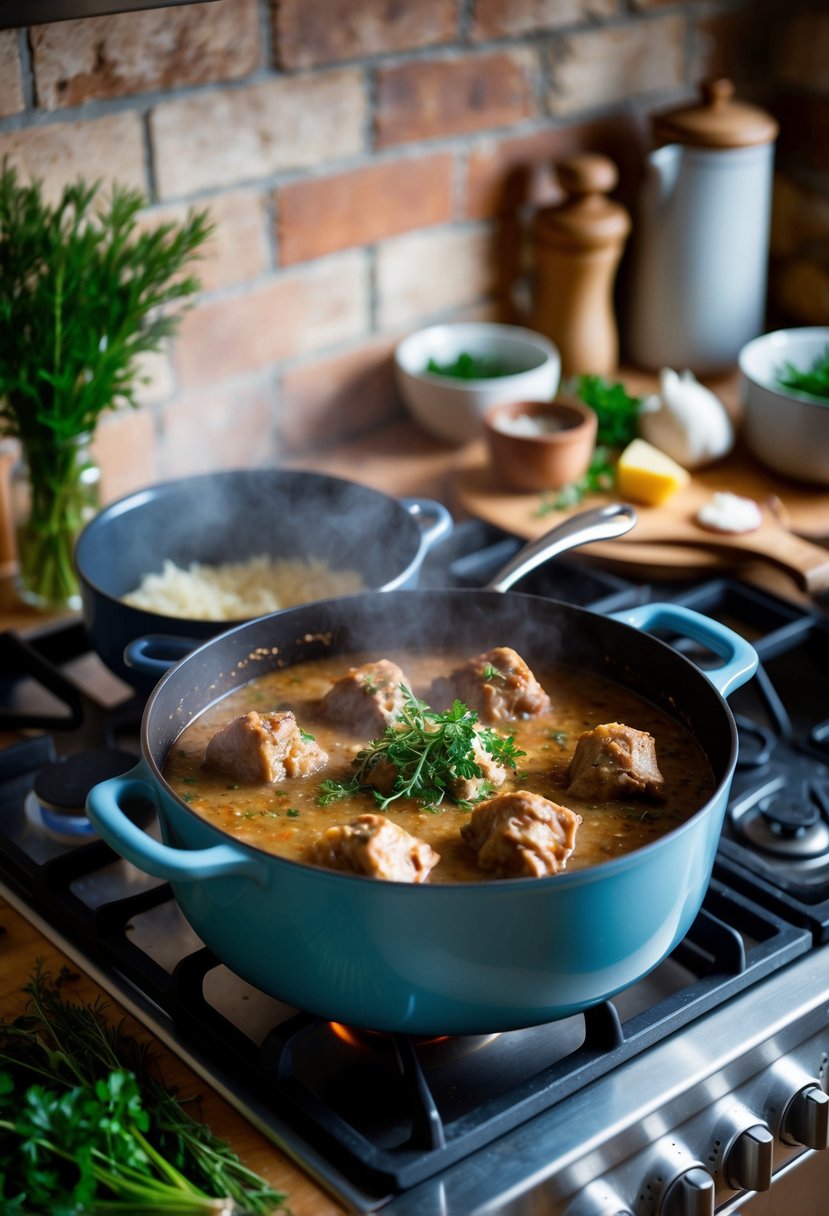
(236, 591)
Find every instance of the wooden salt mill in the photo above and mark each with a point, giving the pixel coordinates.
(578, 245)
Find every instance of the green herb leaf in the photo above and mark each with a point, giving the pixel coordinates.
(618, 417)
(469, 367)
(426, 751)
(86, 1126)
(615, 408)
(814, 380)
(85, 289)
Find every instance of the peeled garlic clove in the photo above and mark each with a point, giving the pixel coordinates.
(686, 420)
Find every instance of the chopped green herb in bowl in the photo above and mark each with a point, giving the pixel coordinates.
(469, 367)
(451, 373)
(813, 379)
(784, 391)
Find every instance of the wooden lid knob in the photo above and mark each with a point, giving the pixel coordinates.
(717, 120)
(587, 173)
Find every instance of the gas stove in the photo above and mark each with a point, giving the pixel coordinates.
(700, 1089)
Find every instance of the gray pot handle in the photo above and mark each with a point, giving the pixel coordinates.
(155, 653)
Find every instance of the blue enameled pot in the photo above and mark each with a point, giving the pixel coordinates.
(454, 959)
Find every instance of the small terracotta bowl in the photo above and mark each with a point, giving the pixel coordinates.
(540, 445)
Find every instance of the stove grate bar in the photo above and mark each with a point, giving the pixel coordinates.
(18, 659)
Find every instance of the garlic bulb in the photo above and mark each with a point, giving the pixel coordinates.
(686, 420)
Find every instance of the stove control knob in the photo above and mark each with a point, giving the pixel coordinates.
(748, 1163)
(691, 1194)
(806, 1118)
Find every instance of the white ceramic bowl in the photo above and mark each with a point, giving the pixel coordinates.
(787, 431)
(453, 409)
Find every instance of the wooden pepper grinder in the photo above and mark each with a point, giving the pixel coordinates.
(577, 248)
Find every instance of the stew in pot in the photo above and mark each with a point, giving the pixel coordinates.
(439, 767)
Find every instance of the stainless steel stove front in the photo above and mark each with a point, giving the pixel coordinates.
(730, 1117)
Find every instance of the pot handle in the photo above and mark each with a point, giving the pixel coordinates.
(739, 657)
(106, 813)
(155, 653)
(434, 519)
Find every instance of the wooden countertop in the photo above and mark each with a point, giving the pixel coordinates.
(398, 459)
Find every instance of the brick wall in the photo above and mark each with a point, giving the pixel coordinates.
(366, 164)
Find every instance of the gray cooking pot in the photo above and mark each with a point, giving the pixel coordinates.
(228, 517)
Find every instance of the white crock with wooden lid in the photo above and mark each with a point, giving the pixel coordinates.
(699, 255)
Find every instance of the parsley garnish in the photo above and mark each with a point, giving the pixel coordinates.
(307, 736)
(491, 673)
(427, 751)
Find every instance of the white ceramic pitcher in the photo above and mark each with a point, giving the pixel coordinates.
(699, 255)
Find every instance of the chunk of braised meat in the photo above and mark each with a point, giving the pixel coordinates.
(264, 748)
(521, 835)
(373, 845)
(615, 761)
(493, 774)
(498, 685)
(382, 775)
(366, 698)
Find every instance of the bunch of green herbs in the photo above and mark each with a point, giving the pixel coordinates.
(86, 288)
(427, 752)
(86, 1126)
(617, 412)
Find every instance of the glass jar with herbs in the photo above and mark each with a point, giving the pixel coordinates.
(86, 287)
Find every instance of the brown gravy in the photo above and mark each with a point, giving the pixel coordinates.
(285, 818)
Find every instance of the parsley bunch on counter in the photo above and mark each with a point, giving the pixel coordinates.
(85, 1127)
(618, 414)
(426, 751)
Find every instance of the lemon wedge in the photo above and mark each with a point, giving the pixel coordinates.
(645, 474)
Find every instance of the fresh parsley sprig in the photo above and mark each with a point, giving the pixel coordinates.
(616, 409)
(427, 751)
(617, 412)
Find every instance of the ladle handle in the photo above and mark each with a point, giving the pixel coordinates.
(597, 523)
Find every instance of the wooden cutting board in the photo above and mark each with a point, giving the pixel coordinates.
(667, 539)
